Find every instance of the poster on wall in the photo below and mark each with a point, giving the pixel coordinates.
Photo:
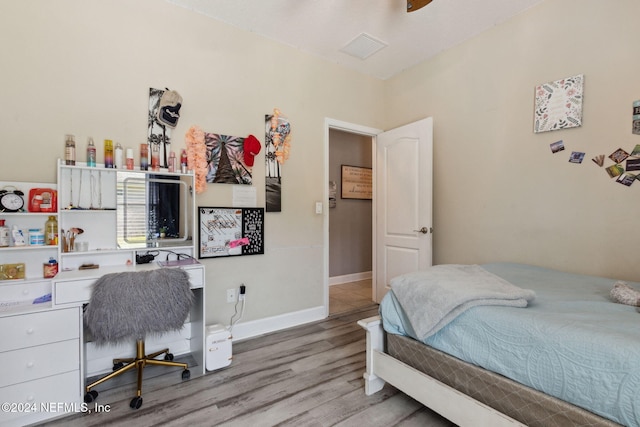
(230, 231)
(558, 104)
(357, 183)
(163, 116)
(277, 140)
(226, 164)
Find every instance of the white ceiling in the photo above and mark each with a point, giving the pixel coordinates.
(324, 27)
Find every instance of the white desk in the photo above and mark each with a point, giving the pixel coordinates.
(44, 359)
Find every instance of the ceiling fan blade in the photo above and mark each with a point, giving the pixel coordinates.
(413, 5)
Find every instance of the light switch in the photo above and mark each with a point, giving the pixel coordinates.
(318, 207)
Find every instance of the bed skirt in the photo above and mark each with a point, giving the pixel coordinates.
(519, 402)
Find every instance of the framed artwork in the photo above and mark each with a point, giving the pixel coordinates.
(230, 231)
(357, 183)
(558, 104)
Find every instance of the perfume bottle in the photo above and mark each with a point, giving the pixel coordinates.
(91, 153)
(183, 161)
(70, 150)
(108, 153)
(172, 161)
(144, 157)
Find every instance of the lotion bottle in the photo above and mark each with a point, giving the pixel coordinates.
(4, 234)
(118, 156)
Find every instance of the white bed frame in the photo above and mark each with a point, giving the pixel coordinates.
(447, 401)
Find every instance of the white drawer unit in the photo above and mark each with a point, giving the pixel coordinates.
(37, 400)
(32, 329)
(41, 361)
(41, 355)
(72, 291)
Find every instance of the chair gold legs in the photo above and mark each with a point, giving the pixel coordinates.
(139, 362)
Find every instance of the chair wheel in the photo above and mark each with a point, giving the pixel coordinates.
(136, 402)
(168, 356)
(186, 374)
(118, 365)
(90, 396)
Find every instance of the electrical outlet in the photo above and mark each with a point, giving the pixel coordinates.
(231, 295)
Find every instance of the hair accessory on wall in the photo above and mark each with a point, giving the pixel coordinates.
(197, 156)
(251, 147)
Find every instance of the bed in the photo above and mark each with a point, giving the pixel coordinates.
(570, 357)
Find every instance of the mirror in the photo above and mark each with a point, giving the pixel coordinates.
(152, 210)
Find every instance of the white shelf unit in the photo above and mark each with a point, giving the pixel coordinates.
(33, 256)
(89, 198)
(53, 330)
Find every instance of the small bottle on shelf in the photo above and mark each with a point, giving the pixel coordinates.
(144, 157)
(129, 158)
(183, 161)
(108, 153)
(4, 235)
(91, 153)
(155, 157)
(51, 231)
(118, 155)
(70, 150)
(172, 161)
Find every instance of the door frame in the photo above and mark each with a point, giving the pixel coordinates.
(330, 123)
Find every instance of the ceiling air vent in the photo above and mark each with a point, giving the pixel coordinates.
(363, 46)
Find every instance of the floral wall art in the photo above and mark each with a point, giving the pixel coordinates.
(558, 104)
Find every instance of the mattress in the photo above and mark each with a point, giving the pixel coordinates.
(572, 342)
(524, 404)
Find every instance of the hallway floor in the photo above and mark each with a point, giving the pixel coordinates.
(349, 296)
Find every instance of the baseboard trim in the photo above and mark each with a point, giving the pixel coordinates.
(354, 277)
(253, 328)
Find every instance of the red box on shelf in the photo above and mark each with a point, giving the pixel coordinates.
(43, 200)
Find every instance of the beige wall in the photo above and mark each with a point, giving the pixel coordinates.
(499, 193)
(85, 67)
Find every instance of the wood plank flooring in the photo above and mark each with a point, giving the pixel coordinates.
(310, 375)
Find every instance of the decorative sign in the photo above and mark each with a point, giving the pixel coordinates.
(558, 105)
(230, 231)
(356, 183)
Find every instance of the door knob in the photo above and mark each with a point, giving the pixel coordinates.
(423, 230)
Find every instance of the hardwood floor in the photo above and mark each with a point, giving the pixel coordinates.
(310, 375)
(349, 296)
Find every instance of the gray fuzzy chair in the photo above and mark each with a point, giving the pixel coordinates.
(131, 306)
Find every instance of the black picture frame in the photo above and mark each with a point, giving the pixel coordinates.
(228, 231)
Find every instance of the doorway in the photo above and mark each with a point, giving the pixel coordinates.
(348, 224)
(401, 238)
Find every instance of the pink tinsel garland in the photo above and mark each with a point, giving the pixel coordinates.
(197, 156)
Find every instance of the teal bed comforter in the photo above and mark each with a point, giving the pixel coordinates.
(572, 341)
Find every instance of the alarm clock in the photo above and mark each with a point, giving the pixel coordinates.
(11, 199)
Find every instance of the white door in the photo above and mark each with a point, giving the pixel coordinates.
(403, 197)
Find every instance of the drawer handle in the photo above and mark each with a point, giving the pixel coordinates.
(31, 398)
(30, 331)
(30, 364)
